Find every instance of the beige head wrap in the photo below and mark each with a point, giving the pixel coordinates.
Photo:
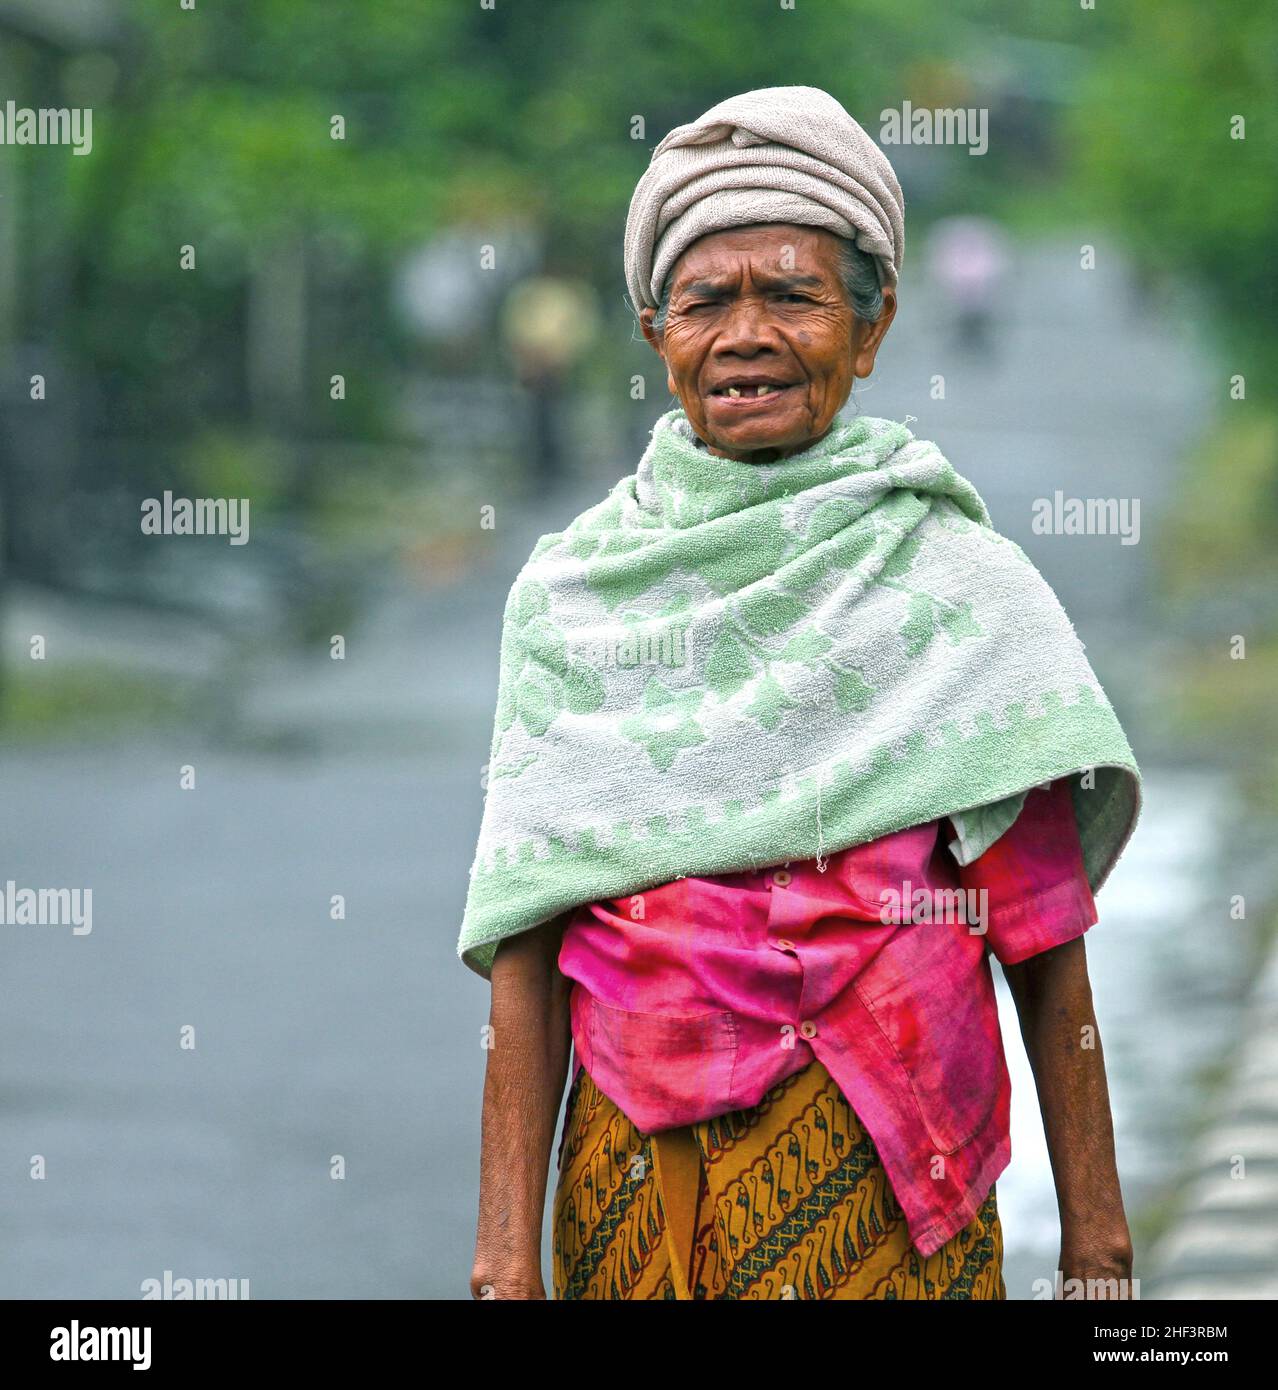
(777, 154)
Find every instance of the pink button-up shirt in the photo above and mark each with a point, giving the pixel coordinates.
(696, 997)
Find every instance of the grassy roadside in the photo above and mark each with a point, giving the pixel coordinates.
(76, 702)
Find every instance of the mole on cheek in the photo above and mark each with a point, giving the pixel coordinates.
(805, 339)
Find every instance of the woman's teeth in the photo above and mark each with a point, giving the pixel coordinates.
(753, 391)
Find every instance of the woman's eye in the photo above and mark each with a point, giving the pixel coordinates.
(796, 298)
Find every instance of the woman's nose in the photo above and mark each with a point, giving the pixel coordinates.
(746, 328)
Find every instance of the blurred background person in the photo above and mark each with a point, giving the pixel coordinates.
(548, 323)
(968, 260)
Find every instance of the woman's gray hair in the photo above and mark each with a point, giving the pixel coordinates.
(857, 270)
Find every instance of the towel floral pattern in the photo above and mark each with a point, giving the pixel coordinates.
(764, 574)
(666, 722)
(539, 679)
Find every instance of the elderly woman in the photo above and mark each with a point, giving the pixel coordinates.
(788, 742)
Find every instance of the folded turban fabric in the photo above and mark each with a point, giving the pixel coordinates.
(777, 154)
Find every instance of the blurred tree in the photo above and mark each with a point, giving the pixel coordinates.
(1176, 135)
(1160, 154)
(214, 129)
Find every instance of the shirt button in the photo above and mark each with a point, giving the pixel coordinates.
(785, 943)
(808, 1029)
(781, 878)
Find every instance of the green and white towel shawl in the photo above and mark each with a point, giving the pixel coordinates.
(727, 665)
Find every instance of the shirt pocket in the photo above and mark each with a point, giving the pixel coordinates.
(930, 992)
(664, 1070)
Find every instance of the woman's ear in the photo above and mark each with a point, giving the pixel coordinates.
(652, 334)
(657, 339)
(869, 340)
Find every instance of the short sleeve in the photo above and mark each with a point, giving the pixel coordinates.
(1037, 893)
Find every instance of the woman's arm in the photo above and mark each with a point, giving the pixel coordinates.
(1054, 1001)
(523, 1085)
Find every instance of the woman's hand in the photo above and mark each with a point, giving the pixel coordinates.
(513, 1280)
(1054, 1001)
(1096, 1258)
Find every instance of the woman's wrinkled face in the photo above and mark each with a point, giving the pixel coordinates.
(760, 343)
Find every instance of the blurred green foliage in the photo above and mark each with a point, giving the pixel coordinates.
(216, 131)
(1157, 156)
(213, 128)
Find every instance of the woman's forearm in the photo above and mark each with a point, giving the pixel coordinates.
(523, 1084)
(1054, 1001)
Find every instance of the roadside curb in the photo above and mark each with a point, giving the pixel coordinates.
(1224, 1242)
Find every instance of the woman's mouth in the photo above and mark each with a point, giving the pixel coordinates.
(748, 395)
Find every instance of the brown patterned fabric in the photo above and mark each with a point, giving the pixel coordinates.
(785, 1200)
